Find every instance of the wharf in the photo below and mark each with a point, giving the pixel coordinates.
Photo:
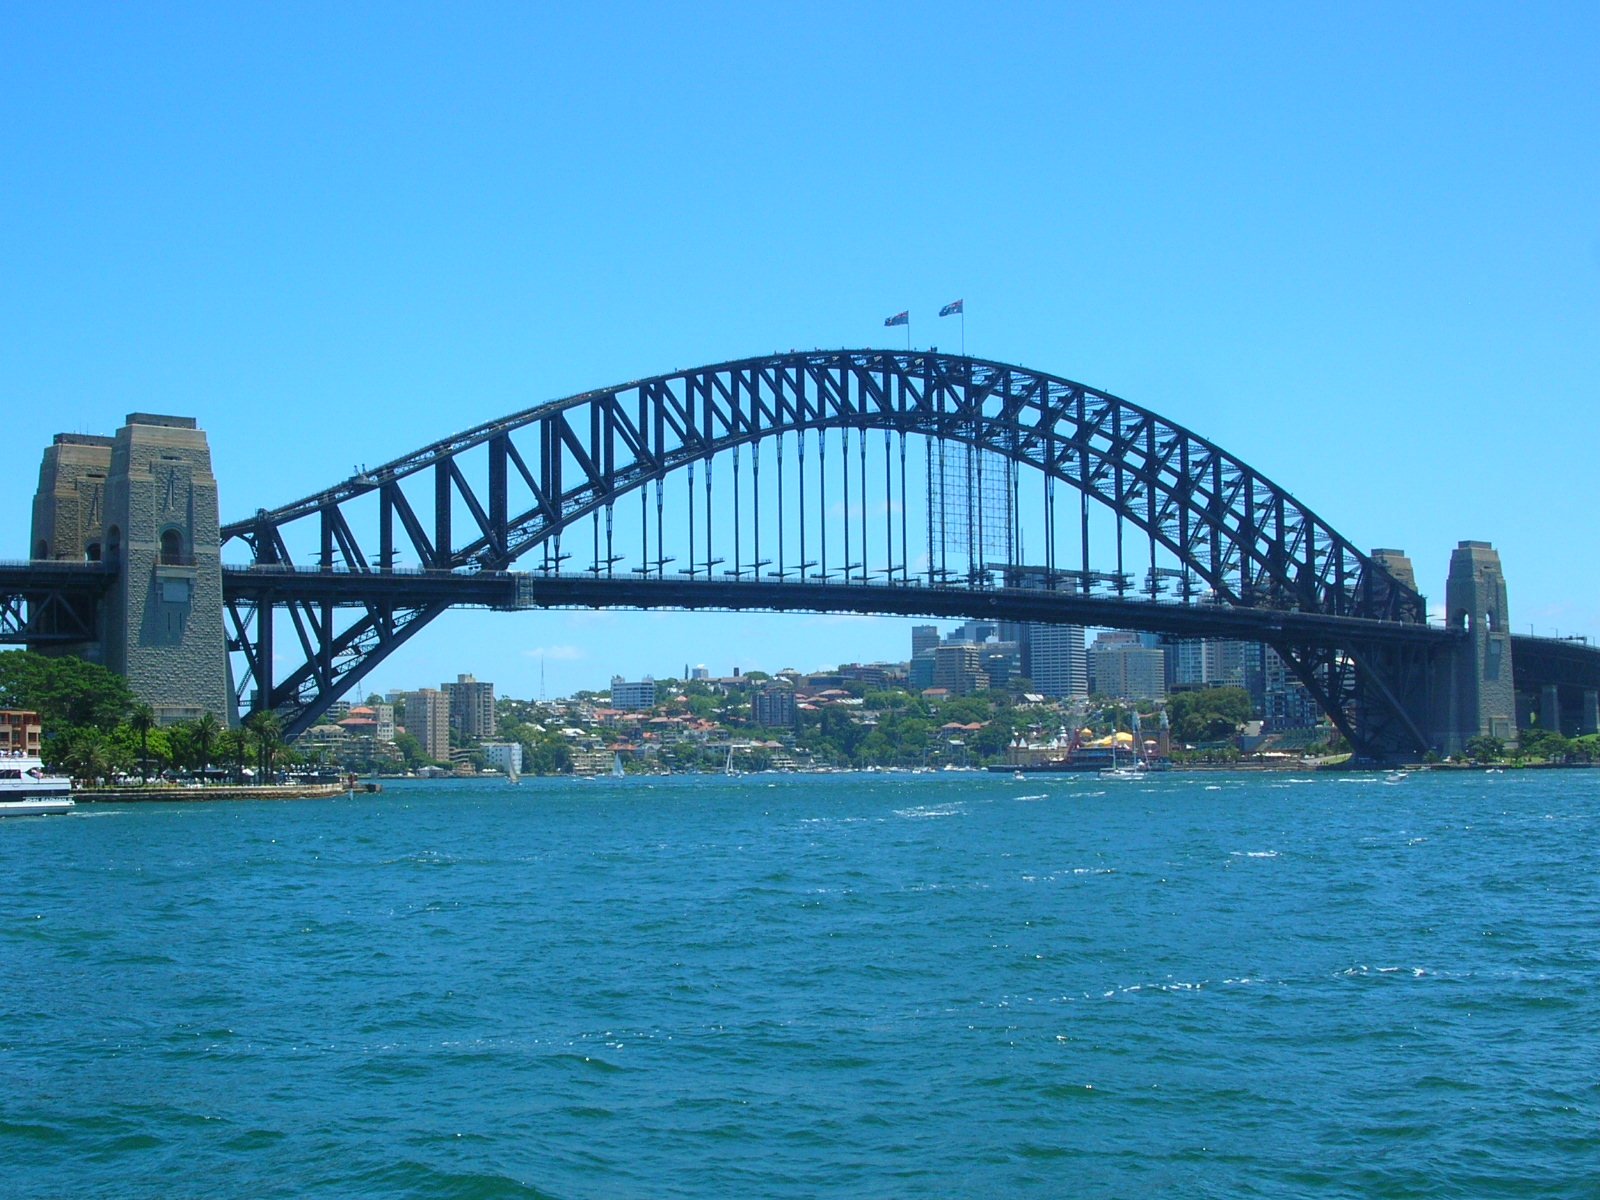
(187, 795)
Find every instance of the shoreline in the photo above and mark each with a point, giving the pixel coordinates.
(168, 795)
(329, 791)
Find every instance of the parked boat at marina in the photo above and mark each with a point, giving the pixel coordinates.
(28, 790)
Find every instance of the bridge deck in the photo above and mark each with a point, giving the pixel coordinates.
(511, 590)
(48, 574)
(50, 603)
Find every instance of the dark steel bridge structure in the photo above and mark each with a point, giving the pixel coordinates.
(909, 483)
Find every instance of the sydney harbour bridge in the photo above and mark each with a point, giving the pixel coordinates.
(869, 481)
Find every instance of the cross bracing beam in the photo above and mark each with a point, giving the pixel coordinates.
(518, 486)
(48, 603)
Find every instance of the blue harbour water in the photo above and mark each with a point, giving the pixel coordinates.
(852, 985)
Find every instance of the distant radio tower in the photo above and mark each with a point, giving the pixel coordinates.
(541, 679)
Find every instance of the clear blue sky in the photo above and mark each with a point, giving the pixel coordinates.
(1357, 245)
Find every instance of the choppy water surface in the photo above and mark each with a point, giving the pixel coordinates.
(792, 987)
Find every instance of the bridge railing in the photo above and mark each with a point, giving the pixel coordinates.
(1571, 639)
(56, 564)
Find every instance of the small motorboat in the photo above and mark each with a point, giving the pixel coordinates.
(40, 807)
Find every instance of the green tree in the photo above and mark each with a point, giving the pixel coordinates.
(232, 746)
(181, 745)
(966, 710)
(1544, 745)
(546, 753)
(410, 749)
(67, 693)
(1485, 749)
(837, 737)
(1586, 748)
(143, 719)
(991, 741)
(88, 756)
(267, 730)
(206, 730)
(1209, 714)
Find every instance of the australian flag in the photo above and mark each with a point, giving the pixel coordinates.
(950, 309)
(903, 318)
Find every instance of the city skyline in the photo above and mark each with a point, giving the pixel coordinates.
(1068, 658)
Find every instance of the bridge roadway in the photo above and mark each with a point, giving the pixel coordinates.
(46, 603)
(509, 591)
(50, 602)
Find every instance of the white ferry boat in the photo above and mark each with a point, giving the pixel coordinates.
(27, 790)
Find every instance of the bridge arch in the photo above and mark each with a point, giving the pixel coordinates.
(537, 475)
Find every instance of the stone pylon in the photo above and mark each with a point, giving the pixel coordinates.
(1473, 690)
(145, 501)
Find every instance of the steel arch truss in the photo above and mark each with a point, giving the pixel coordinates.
(512, 486)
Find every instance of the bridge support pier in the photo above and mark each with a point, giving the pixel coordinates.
(145, 501)
(1589, 715)
(1550, 707)
(1472, 687)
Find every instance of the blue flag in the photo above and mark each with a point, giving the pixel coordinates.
(948, 309)
(899, 318)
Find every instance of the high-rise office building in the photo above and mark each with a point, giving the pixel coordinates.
(1225, 662)
(923, 637)
(1286, 702)
(1123, 669)
(957, 667)
(773, 706)
(428, 720)
(1053, 656)
(1186, 662)
(471, 707)
(1001, 662)
(633, 697)
(975, 630)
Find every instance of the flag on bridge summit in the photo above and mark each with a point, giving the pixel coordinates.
(903, 318)
(952, 308)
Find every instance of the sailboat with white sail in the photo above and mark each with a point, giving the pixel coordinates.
(1124, 771)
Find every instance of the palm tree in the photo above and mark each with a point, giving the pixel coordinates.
(227, 746)
(143, 719)
(205, 736)
(268, 730)
(88, 756)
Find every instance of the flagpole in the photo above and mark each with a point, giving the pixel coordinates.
(963, 329)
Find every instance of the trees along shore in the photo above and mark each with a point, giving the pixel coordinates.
(97, 731)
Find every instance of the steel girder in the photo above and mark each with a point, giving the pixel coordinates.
(1254, 545)
(48, 603)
